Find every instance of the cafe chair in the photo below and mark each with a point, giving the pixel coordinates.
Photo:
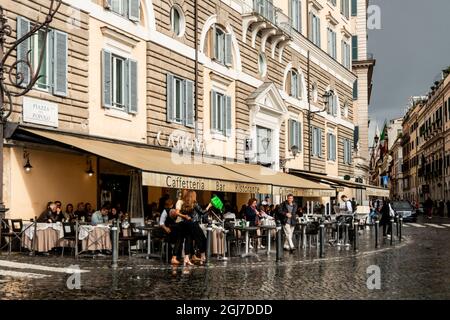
(126, 237)
(312, 232)
(12, 230)
(69, 236)
(138, 235)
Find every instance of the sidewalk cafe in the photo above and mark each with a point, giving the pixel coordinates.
(152, 174)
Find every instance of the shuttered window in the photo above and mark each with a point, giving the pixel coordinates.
(53, 71)
(347, 151)
(332, 107)
(119, 82)
(295, 134)
(295, 13)
(314, 27)
(346, 55)
(332, 43)
(295, 84)
(354, 48)
(180, 101)
(221, 46)
(354, 8)
(331, 146)
(316, 143)
(125, 8)
(345, 8)
(221, 113)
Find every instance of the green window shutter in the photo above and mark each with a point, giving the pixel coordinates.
(320, 142)
(170, 97)
(134, 10)
(133, 86)
(60, 63)
(107, 78)
(355, 48)
(228, 115)
(214, 123)
(311, 31)
(190, 109)
(291, 133)
(23, 72)
(354, 8)
(319, 42)
(299, 136)
(214, 42)
(228, 50)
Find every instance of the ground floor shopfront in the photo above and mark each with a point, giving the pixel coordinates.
(74, 169)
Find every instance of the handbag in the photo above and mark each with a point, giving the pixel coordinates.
(391, 211)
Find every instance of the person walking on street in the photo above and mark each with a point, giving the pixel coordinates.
(448, 208)
(428, 206)
(385, 220)
(287, 215)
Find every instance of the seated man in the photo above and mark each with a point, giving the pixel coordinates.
(173, 231)
(100, 217)
(50, 215)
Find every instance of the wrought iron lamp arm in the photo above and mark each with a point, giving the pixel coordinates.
(17, 79)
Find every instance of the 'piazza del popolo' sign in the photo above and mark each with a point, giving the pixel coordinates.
(182, 182)
(40, 112)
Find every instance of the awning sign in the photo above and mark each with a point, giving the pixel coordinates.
(298, 192)
(183, 182)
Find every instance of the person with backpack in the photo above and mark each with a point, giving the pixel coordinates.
(346, 205)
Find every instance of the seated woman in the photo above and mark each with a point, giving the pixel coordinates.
(252, 215)
(192, 215)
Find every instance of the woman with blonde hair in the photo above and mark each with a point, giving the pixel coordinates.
(192, 215)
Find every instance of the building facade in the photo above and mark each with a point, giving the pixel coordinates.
(258, 82)
(433, 149)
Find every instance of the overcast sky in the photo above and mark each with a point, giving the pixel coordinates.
(411, 49)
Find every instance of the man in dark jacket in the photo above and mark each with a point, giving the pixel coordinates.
(50, 215)
(288, 218)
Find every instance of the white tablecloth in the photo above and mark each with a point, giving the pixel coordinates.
(44, 226)
(86, 229)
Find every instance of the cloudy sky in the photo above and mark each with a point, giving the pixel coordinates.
(411, 49)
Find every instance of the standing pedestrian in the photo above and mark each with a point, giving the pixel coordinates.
(385, 220)
(287, 215)
(428, 207)
(448, 208)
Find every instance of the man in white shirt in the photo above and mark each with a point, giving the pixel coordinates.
(346, 205)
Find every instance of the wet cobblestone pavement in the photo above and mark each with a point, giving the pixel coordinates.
(416, 268)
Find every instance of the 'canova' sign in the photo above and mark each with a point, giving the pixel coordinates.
(40, 112)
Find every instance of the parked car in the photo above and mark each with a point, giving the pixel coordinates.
(405, 210)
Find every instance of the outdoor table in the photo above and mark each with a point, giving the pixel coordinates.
(149, 229)
(43, 237)
(247, 240)
(94, 238)
(269, 228)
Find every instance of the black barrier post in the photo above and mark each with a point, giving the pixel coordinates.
(115, 243)
(400, 229)
(322, 240)
(392, 231)
(279, 235)
(397, 224)
(355, 236)
(377, 226)
(208, 241)
(346, 243)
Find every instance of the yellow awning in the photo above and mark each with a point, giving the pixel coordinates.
(163, 168)
(283, 183)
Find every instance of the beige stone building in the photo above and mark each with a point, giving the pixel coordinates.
(129, 86)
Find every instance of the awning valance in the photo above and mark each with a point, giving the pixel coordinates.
(283, 183)
(163, 168)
